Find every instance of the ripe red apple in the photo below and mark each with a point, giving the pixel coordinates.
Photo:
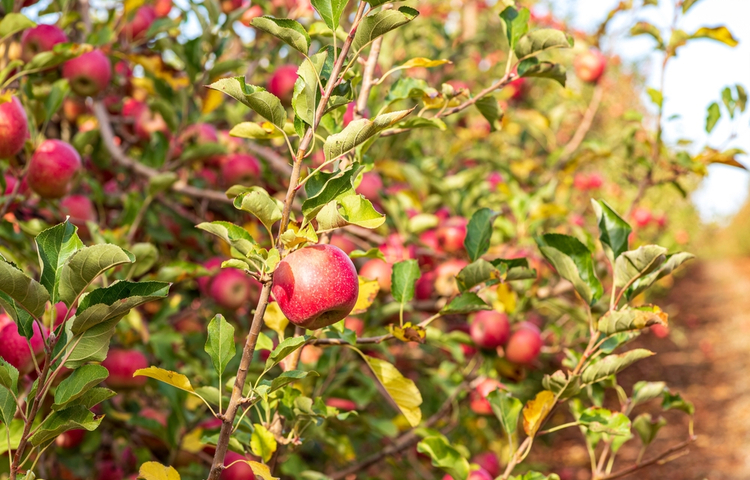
(73, 108)
(316, 286)
(52, 168)
(10, 185)
(445, 281)
(282, 82)
(476, 474)
(239, 469)
(517, 88)
(371, 185)
(121, 365)
(70, 439)
(590, 65)
(61, 311)
(213, 265)
(524, 344)
(248, 15)
(240, 169)
(489, 462)
(109, 470)
(661, 331)
(162, 8)
(495, 179)
(41, 39)
(478, 402)
(642, 216)
(310, 354)
(14, 127)
(425, 286)
(141, 22)
(79, 208)
(343, 243)
(229, 6)
(490, 328)
(232, 288)
(452, 233)
(377, 269)
(341, 403)
(88, 74)
(355, 324)
(14, 349)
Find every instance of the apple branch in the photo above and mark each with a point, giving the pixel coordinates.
(583, 127)
(657, 459)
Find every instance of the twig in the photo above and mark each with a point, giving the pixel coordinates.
(583, 127)
(275, 161)
(651, 461)
(367, 75)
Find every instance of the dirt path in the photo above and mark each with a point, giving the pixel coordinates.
(706, 359)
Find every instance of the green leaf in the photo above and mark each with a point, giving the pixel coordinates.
(465, 303)
(532, 67)
(373, 26)
(489, 109)
(402, 390)
(719, 34)
(236, 236)
(14, 23)
(612, 364)
(541, 40)
(374, 252)
(8, 391)
(76, 417)
(289, 31)
(479, 232)
(22, 290)
(444, 456)
(323, 188)
(262, 442)
(220, 345)
(687, 4)
(645, 28)
(258, 99)
(54, 100)
(85, 266)
(146, 255)
(600, 420)
(16, 427)
(656, 96)
(562, 385)
(712, 116)
(284, 349)
(673, 262)
(288, 377)
(161, 182)
(403, 277)
(259, 203)
(54, 246)
(613, 230)
(257, 131)
(478, 272)
(675, 401)
(514, 268)
(647, 428)
(306, 89)
(93, 397)
(572, 260)
(349, 210)
(78, 383)
(105, 303)
(636, 263)
(359, 131)
(330, 11)
(93, 344)
(506, 408)
(629, 319)
(645, 391)
(515, 23)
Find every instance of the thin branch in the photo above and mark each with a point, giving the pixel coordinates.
(367, 75)
(583, 127)
(275, 161)
(634, 468)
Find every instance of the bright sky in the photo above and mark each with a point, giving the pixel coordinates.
(693, 80)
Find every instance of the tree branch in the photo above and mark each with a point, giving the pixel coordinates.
(583, 127)
(634, 468)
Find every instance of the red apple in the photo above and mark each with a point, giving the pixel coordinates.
(88, 74)
(240, 169)
(41, 39)
(79, 208)
(478, 402)
(61, 311)
(341, 403)
(121, 365)
(495, 179)
(52, 168)
(590, 65)
(10, 185)
(248, 15)
(141, 22)
(213, 266)
(310, 354)
(642, 216)
(73, 108)
(14, 127)
(377, 269)
(476, 474)
(490, 329)
(14, 348)
(343, 243)
(239, 470)
(595, 181)
(371, 185)
(232, 288)
(425, 286)
(282, 82)
(316, 286)
(109, 470)
(452, 233)
(517, 88)
(661, 331)
(162, 8)
(70, 439)
(355, 324)
(489, 462)
(445, 280)
(229, 6)
(524, 344)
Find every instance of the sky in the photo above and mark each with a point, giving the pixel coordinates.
(694, 79)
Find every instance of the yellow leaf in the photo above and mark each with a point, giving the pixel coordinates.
(192, 441)
(275, 320)
(401, 389)
(157, 471)
(368, 290)
(192, 403)
(424, 62)
(175, 379)
(727, 157)
(535, 411)
(409, 332)
(213, 100)
(506, 299)
(144, 84)
(261, 470)
(131, 5)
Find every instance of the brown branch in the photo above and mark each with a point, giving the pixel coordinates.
(583, 127)
(120, 157)
(634, 468)
(367, 75)
(275, 161)
(360, 341)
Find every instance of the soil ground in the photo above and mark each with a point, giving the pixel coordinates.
(706, 359)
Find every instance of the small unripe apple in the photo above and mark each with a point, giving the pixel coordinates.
(282, 82)
(240, 169)
(478, 402)
(14, 126)
(248, 15)
(316, 286)
(452, 233)
(141, 22)
(71, 438)
(490, 329)
(377, 269)
(445, 281)
(162, 8)
(121, 365)
(41, 38)
(524, 344)
(52, 168)
(341, 403)
(590, 66)
(88, 74)
(79, 208)
(371, 185)
(231, 288)
(14, 348)
(642, 216)
(489, 462)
